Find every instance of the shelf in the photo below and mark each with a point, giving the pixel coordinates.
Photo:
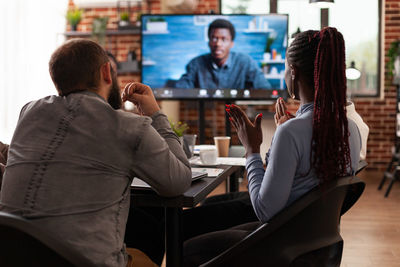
(148, 62)
(274, 76)
(258, 30)
(156, 32)
(108, 33)
(273, 61)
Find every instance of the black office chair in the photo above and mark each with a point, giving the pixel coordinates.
(23, 244)
(304, 234)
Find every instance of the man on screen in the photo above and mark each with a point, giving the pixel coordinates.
(222, 68)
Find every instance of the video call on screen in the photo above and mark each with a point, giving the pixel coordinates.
(170, 42)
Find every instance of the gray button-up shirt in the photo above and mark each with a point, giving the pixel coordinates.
(70, 166)
(239, 72)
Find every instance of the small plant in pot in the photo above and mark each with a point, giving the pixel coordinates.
(187, 141)
(179, 128)
(124, 19)
(99, 27)
(156, 24)
(138, 18)
(74, 16)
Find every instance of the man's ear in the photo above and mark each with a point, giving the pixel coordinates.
(106, 72)
(232, 43)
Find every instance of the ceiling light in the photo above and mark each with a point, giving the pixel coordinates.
(322, 3)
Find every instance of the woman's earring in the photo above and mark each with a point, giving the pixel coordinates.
(293, 89)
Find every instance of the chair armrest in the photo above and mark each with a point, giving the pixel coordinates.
(361, 166)
(266, 229)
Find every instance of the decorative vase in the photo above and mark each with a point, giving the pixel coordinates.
(74, 27)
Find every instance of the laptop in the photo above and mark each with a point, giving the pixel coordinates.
(196, 175)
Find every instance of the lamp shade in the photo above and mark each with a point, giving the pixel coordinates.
(352, 73)
(322, 3)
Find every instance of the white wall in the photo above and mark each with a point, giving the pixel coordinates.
(30, 31)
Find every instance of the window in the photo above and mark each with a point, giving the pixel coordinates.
(30, 35)
(245, 6)
(302, 15)
(361, 34)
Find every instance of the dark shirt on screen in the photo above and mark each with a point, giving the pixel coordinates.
(239, 72)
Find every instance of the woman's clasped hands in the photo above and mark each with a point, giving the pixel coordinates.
(249, 133)
(281, 112)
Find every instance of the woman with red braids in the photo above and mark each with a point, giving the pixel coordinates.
(317, 145)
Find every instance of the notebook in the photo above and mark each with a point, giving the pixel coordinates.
(195, 176)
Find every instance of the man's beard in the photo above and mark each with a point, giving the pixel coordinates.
(114, 99)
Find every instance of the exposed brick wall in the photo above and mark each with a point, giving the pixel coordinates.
(378, 114)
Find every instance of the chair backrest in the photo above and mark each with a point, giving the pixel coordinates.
(305, 233)
(236, 151)
(23, 244)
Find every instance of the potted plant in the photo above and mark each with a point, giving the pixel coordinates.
(99, 27)
(74, 16)
(157, 24)
(179, 128)
(267, 51)
(124, 19)
(393, 64)
(138, 18)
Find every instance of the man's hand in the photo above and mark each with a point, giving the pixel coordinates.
(250, 134)
(142, 96)
(281, 113)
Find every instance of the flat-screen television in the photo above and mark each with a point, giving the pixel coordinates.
(214, 56)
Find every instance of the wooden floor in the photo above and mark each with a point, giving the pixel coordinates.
(371, 228)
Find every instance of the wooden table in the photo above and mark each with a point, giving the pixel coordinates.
(174, 206)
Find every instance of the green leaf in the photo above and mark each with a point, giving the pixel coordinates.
(74, 16)
(179, 128)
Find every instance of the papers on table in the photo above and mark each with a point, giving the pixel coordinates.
(211, 172)
(220, 161)
(232, 161)
(197, 173)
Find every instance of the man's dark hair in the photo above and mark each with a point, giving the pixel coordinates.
(221, 24)
(75, 66)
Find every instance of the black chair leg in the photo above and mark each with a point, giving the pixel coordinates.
(395, 177)
(389, 188)
(382, 181)
(388, 170)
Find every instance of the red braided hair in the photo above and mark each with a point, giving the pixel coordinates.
(321, 57)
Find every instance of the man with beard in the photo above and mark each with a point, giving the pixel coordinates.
(221, 68)
(73, 156)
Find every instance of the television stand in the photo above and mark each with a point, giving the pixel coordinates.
(202, 121)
